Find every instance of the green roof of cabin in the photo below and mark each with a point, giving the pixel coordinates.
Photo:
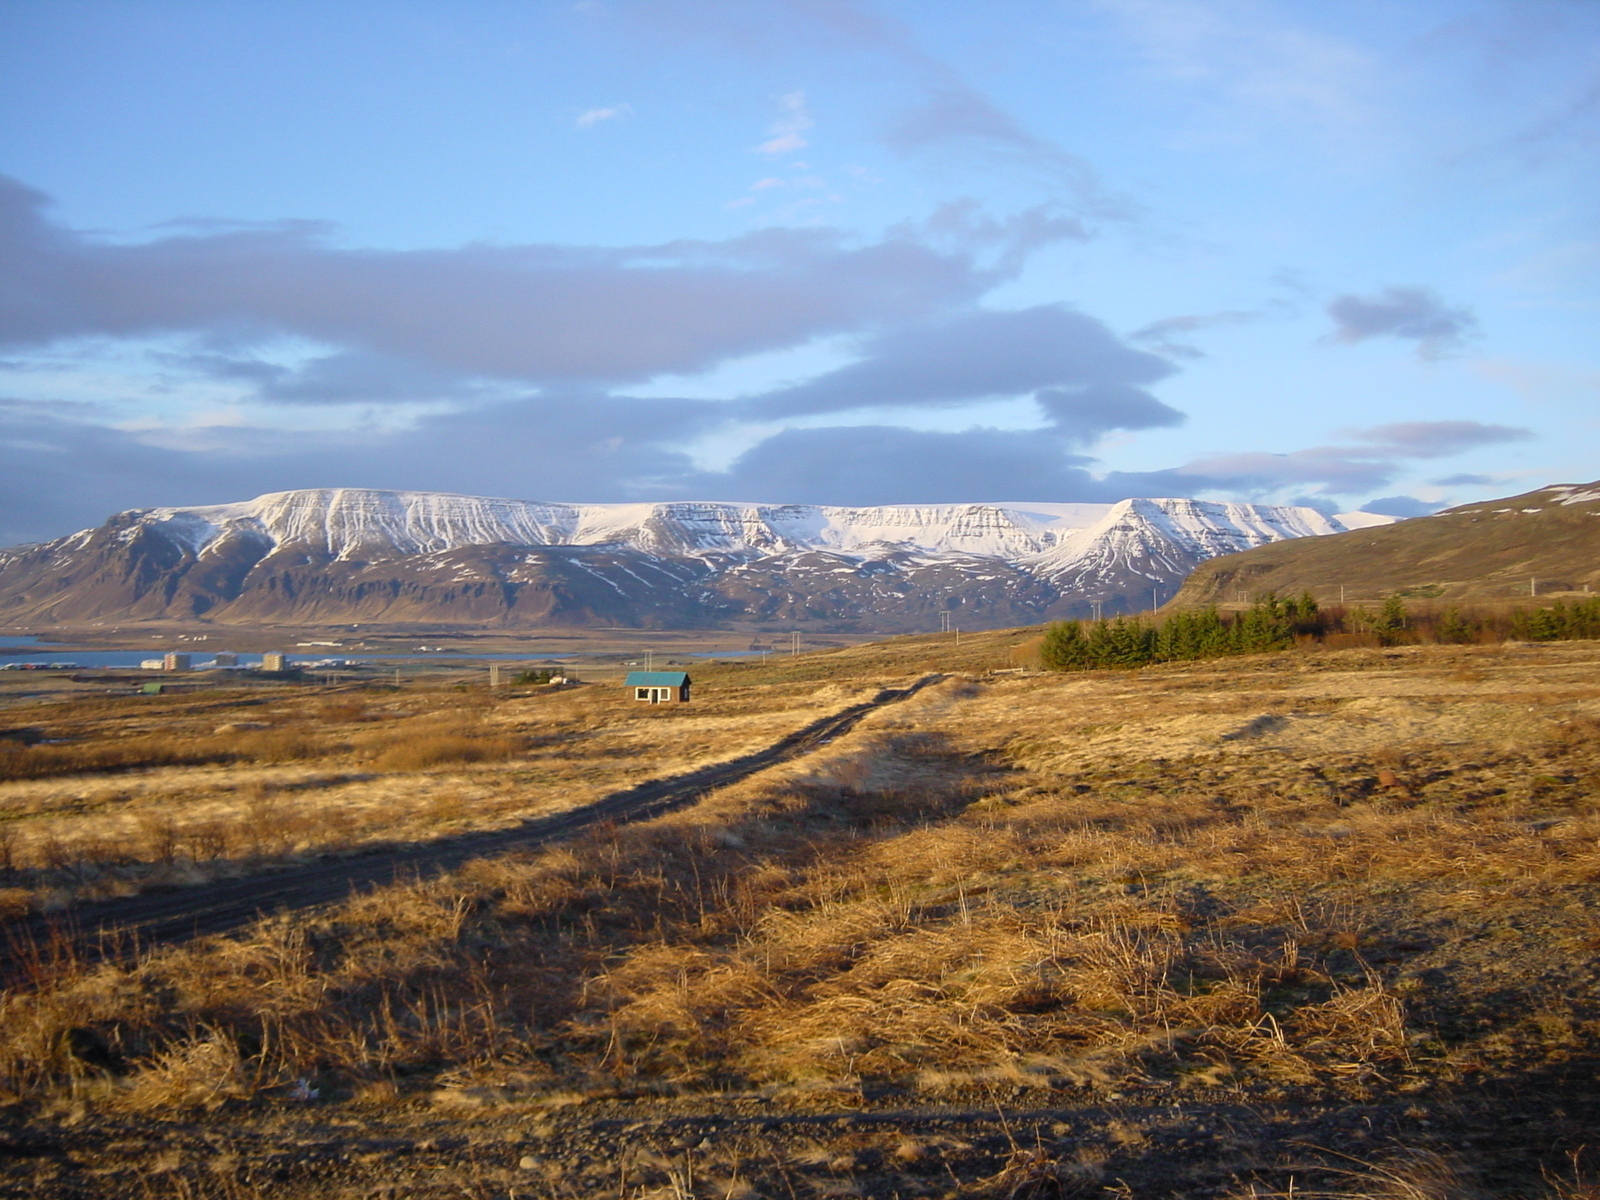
(657, 679)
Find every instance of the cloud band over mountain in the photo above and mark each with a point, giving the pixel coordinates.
(515, 357)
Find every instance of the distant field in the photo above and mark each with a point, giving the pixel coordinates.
(1306, 923)
(114, 796)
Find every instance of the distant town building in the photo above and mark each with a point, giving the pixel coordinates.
(225, 659)
(174, 661)
(274, 662)
(659, 687)
(152, 664)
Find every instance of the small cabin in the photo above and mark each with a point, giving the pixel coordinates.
(659, 687)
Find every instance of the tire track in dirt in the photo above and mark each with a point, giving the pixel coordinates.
(120, 928)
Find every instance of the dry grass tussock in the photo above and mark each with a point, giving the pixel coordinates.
(931, 905)
(104, 798)
(1420, 1174)
(1252, 885)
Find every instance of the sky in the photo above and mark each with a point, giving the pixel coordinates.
(812, 251)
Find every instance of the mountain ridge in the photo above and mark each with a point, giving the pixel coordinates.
(339, 555)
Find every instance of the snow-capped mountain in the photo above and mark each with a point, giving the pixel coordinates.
(347, 554)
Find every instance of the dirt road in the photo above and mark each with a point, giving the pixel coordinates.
(118, 928)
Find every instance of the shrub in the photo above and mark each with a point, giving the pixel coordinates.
(544, 675)
(438, 749)
(19, 761)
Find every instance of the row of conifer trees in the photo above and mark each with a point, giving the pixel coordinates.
(1274, 624)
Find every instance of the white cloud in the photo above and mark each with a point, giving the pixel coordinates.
(594, 116)
(788, 130)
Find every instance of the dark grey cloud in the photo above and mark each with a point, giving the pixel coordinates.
(1411, 313)
(1086, 380)
(1342, 469)
(59, 474)
(1084, 414)
(350, 377)
(1335, 470)
(889, 464)
(484, 326)
(1400, 506)
(885, 464)
(522, 312)
(528, 344)
(1438, 439)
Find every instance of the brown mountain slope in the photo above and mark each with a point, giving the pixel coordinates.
(1543, 542)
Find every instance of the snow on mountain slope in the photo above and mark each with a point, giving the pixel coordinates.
(351, 554)
(1149, 546)
(354, 523)
(1177, 534)
(1364, 520)
(345, 524)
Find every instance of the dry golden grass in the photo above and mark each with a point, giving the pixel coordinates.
(1300, 878)
(180, 792)
(936, 901)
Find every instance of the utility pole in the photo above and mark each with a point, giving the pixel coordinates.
(1155, 599)
(397, 677)
(1533, 587)
(649, 660)
(494, 675)
(944, 621)
(794, 643)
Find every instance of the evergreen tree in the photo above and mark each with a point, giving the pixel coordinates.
(1537, 624)
(1577, 618)
(1453, 628)
(1266, 625)
(1124, 642)
(1390, 621)
(1064, 648)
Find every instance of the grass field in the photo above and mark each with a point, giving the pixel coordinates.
(1309, 923)
(113, 796)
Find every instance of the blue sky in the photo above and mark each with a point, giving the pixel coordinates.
(836, 251)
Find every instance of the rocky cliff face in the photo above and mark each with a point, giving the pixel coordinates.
(354, 555)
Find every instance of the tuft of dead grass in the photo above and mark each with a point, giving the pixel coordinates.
(420, 753)
(965, 899)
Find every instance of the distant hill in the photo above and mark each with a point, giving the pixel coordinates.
(1543, 542)
(339, 555)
